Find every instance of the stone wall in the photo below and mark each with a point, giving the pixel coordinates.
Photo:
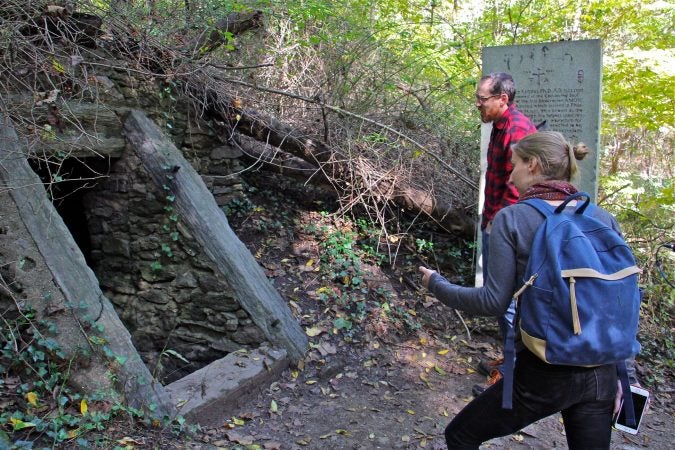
(163, 286)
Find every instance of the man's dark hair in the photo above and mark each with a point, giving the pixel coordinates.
(502, 83)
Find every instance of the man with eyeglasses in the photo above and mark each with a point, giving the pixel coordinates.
(494, 99)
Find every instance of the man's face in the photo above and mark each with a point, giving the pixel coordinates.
(491, 106)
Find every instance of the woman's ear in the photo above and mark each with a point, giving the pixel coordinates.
(533, 165)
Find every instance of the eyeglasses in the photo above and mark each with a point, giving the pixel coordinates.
(482, 100)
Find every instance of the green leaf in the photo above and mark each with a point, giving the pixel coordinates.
(342, 323)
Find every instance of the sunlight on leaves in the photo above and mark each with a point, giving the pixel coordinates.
(238, 422)
(19, 424)
(314, 331)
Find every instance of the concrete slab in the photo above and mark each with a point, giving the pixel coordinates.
(208, 396)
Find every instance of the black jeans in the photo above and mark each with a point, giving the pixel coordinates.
(584, 396)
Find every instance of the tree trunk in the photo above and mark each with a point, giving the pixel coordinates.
(276, 160)
(207, 222)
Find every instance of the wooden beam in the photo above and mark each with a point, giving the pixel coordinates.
(207, 222)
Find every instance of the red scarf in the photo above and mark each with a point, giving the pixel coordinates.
(549, 190)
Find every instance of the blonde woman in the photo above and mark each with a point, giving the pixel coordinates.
(543, 165)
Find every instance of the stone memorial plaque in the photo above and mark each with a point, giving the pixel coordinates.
(559, 82)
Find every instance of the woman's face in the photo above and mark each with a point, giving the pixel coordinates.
(522, 175)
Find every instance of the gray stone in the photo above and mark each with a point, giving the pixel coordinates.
(184, 296)
(186, 280)
(129, 93)
(102, 211)
(231, 324)
(116, 246)
(248, 335)
(211, 283)
(151, 275)
(218, 169)
(185, 233)
(225, 345)
(225, 152)
(123, 285)
(210, 395)
(155, 296)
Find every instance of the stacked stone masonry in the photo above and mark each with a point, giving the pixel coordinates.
(165, 289)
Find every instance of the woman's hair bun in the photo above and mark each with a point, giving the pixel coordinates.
(580, 151)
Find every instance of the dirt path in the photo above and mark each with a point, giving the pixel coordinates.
(397, 396)
(383, 386)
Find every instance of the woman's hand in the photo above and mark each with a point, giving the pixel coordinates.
(426, 275)
(617, 399)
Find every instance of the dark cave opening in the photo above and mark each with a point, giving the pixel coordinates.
(67, 181)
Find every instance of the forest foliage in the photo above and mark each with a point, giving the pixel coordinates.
(412, 65)
(399, 78)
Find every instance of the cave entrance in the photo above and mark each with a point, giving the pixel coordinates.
(67, 181)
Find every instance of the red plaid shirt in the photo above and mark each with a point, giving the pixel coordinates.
(511, 127)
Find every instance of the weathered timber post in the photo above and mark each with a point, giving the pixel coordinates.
(207, 222)
(80, 307)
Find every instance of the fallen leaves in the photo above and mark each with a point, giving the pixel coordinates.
(32, 398)
(18, 424)
(314, 331)
(239, 438)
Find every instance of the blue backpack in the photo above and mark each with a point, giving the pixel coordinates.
(580, 302)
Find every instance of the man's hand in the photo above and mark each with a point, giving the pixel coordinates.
(426, 275)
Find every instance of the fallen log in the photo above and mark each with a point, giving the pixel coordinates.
(233, 24)
(332, 166)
